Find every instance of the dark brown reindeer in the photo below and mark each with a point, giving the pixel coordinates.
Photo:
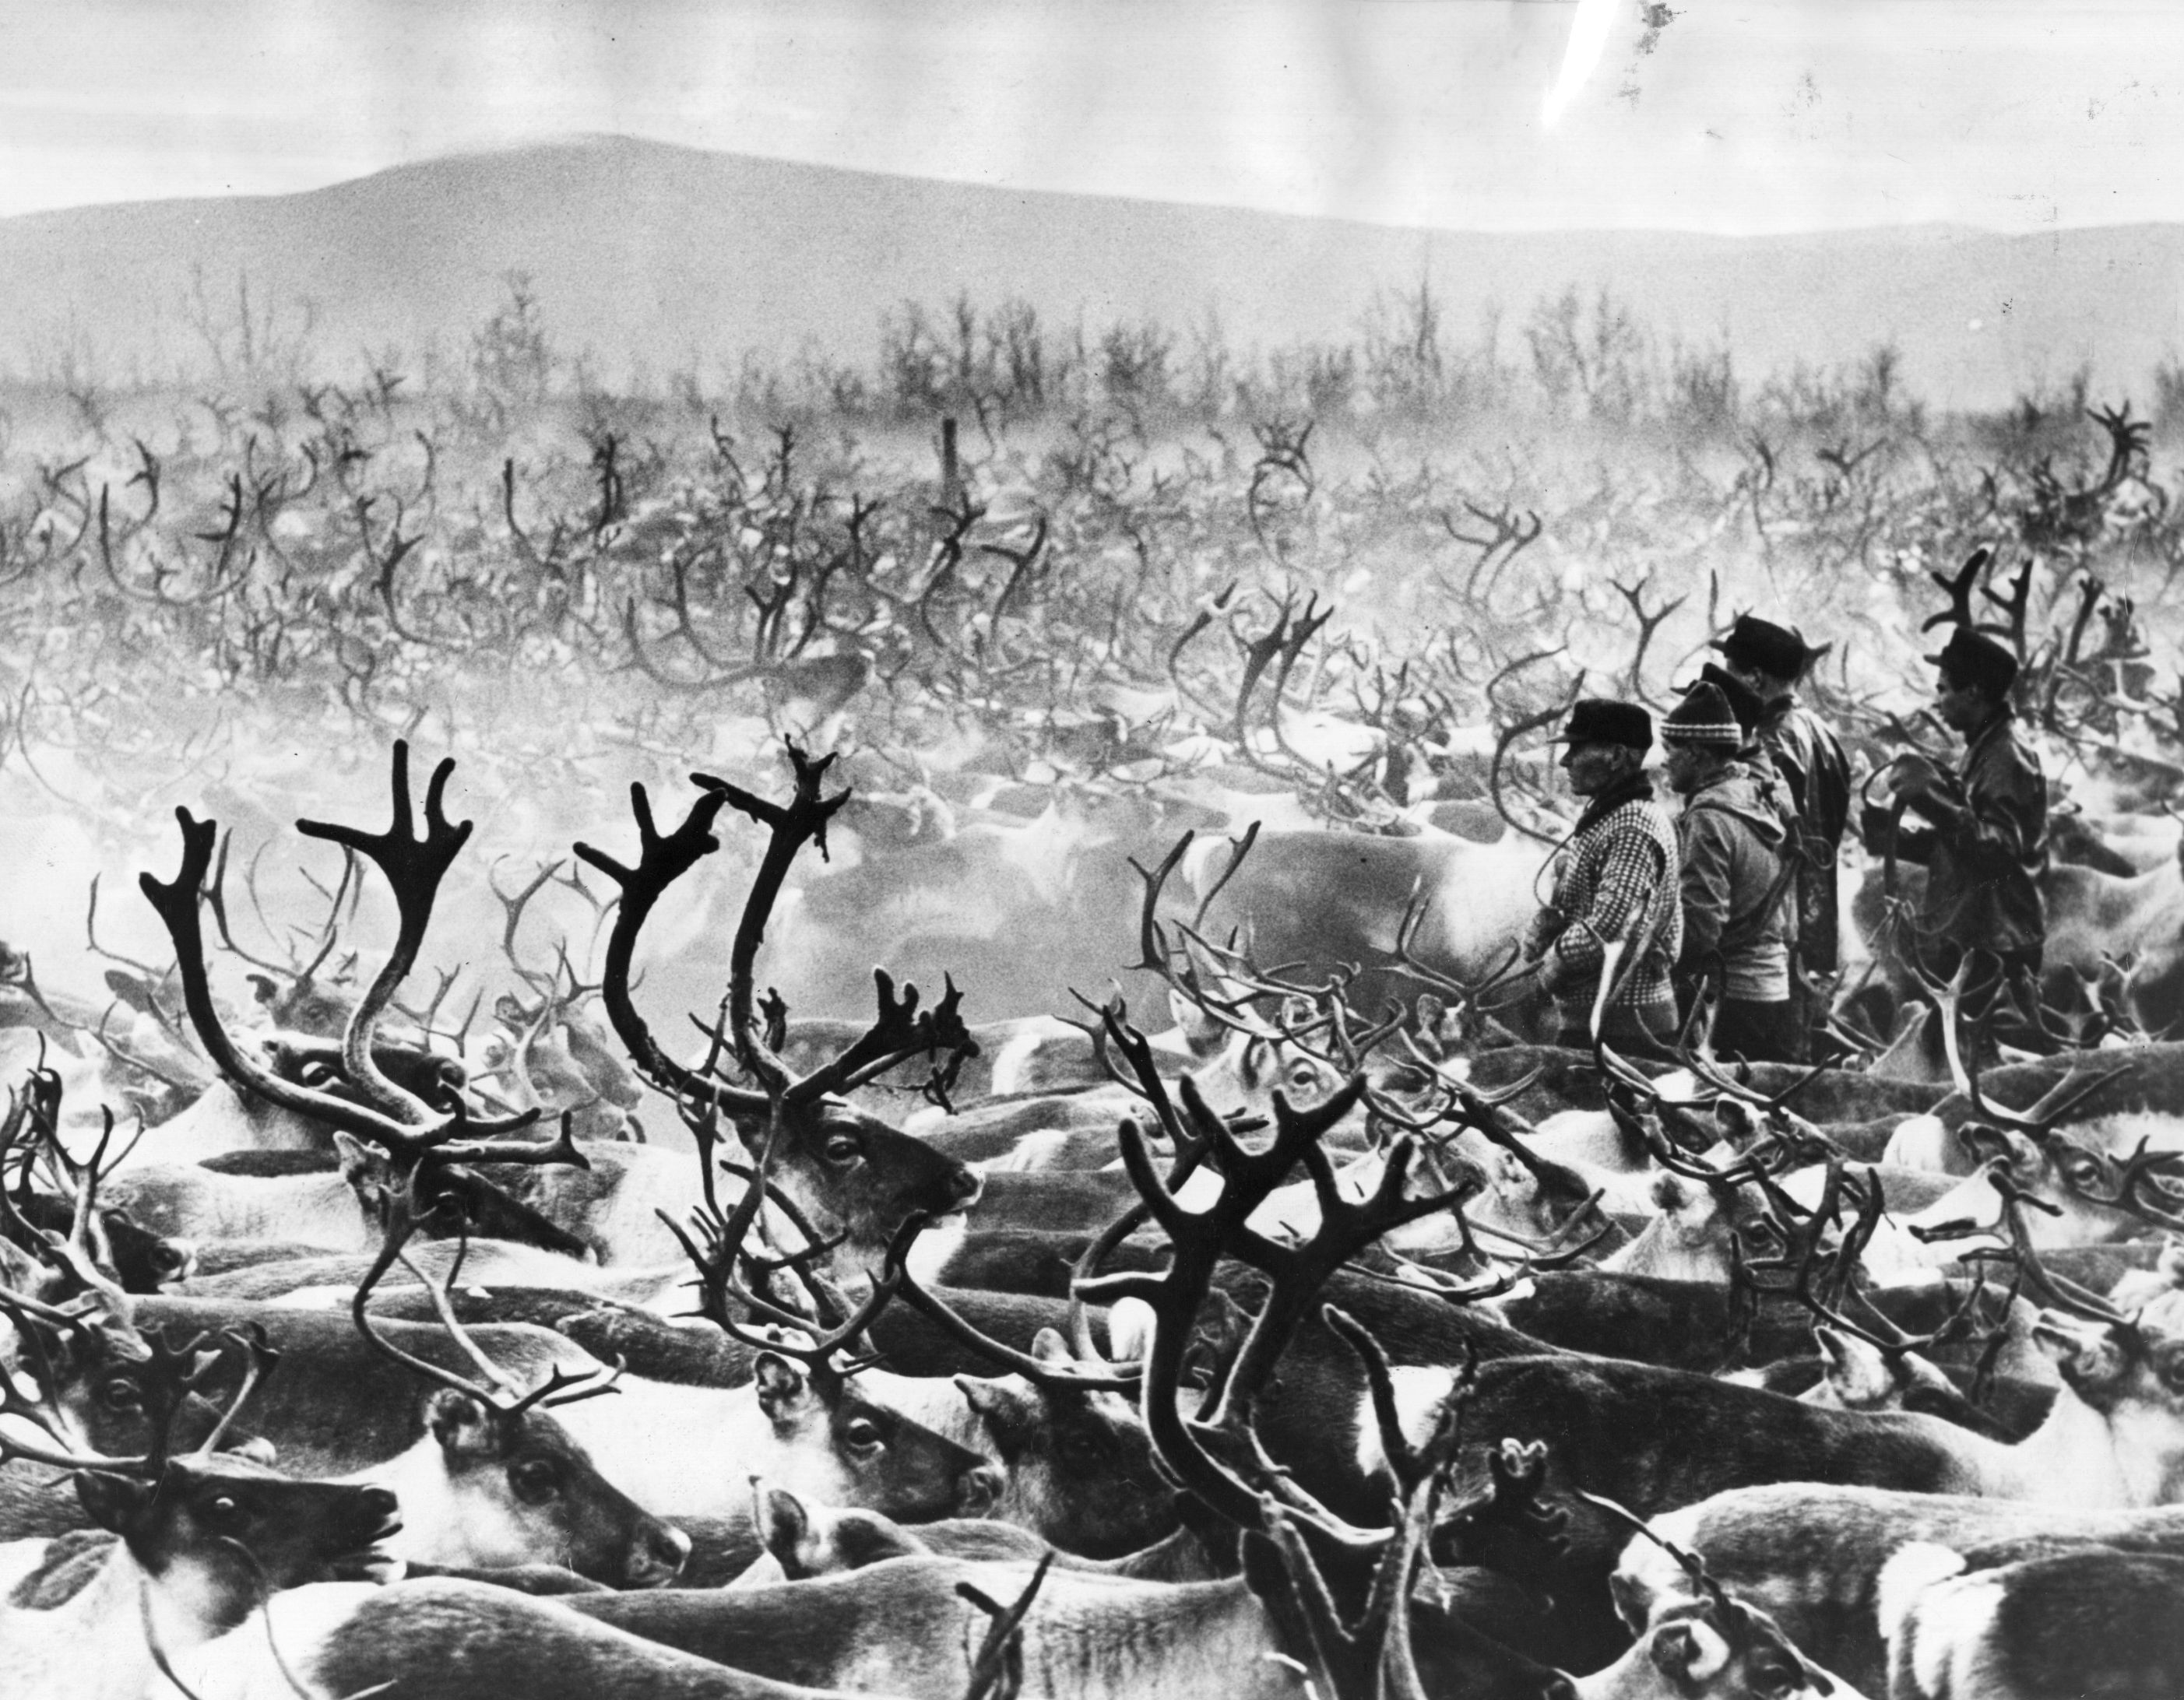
(2112, 1448)
(67, 1210)
(378, 1108)
(1653, 1438)
(1359, 1636)
(205, 1537)
(418, 1136)
(494, 1442)
(1711, 1646)
(553, 1500)
(854, 1177)
(1205, 1638)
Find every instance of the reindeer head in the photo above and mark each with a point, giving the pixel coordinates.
(1080, 1465)
(1703, 1643)
(225, 1532)
(518, 1485)
(803, 1539)
(1712, 1648)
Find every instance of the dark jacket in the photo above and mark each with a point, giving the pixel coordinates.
(1739, 909)
(1983, 873)
(1816, 776)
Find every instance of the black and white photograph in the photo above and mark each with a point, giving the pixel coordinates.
(1001, 850)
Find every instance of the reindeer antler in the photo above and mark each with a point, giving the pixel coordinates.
(401, 1214)
(396, 1120)
(1959, 590)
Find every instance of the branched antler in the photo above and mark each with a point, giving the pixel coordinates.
(1958, 590)
(396, 1120)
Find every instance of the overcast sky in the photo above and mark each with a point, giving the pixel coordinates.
(1728, 116)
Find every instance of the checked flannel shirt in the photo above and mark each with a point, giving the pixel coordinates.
(1616, 879)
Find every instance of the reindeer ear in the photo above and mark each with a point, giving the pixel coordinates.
(1200, 1030)
(784, 1521)
(359, 1161)
(781, 1387)
(1006, 1411)
(2020, 1150)
(24, 1273)
(112, 1501)
(1857, 1370)
(1050, 1348)
(461, 1426)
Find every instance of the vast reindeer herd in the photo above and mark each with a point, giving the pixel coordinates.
(1305, 1327)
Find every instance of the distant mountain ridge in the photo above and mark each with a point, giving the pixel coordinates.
(659, 256)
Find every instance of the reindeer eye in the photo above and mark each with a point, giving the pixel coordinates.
(1303, 1077)
(862, 1434)
(535, 1480)
(1773, 1678)
(222, 1512)
(843, 1147)
(121, 1394)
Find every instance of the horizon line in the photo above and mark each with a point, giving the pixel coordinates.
(546, 143)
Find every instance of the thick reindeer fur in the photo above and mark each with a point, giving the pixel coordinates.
(2090, 1622)
(1651, 1439)
(449, 1640)
(804, 1540)
(2152, 1084)
(1706, 1650)
(1903, 1582)
(1079, 1465)
(338, 1405)
(900, 1627)
(1813, 1556)
(200, 1547)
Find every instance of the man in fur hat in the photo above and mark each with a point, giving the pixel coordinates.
(1614, 884)
(1985, 845)
(1735, 882)
(1769, 660)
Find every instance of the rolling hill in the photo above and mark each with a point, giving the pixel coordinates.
(665, 257)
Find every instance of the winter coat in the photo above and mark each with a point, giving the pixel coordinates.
(1739, 909)
(1816, 777)
(1983, 872)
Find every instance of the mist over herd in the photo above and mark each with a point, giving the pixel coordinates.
(991, 1004)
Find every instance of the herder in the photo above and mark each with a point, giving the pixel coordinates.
(1985, 847)
(1734, 886)
(1614, 883)
(1769, 660)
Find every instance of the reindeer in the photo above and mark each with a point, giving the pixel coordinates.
(1709, 1643)
(1823, 1584)
(2089, 1619)
(204, 1538)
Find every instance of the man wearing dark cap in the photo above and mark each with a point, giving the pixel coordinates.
(1614, 884)
(1808, 758)
(1985, 847)
(1734, 886)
